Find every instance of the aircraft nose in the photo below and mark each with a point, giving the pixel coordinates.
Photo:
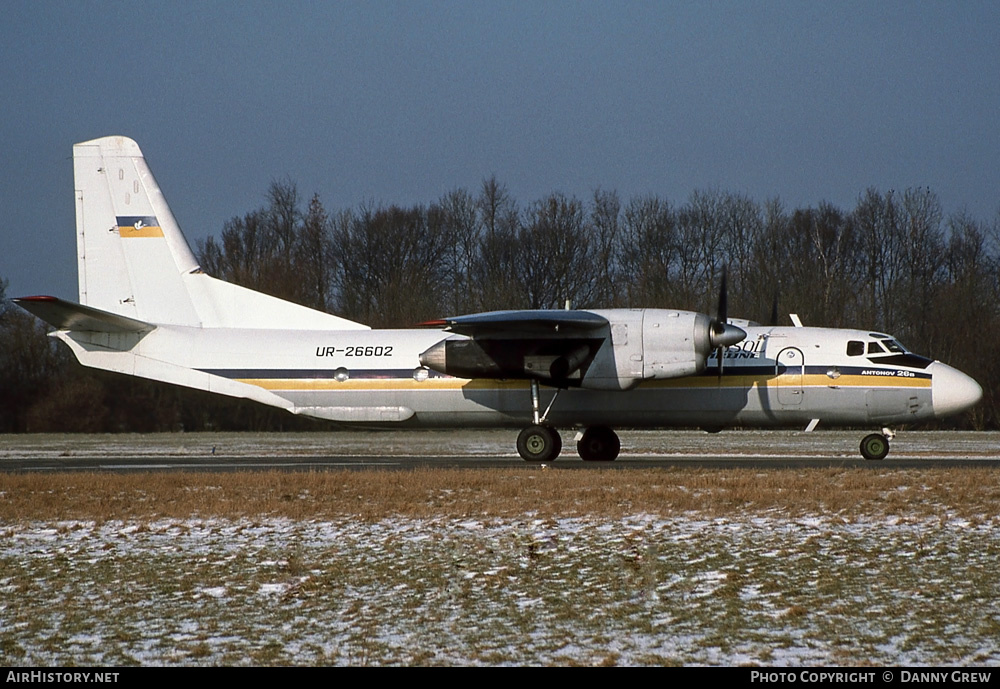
(953, 391)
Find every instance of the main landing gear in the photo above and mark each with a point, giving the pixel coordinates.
(598, 444)
(540, 442)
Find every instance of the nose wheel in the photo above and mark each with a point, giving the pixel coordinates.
(875, 446)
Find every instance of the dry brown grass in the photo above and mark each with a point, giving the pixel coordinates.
(427, 493)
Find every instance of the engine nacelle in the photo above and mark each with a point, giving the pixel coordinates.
(674, 343)
(655, 344)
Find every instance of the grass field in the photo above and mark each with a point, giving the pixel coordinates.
(524, 565)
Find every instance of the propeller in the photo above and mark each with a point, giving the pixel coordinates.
(721, 333)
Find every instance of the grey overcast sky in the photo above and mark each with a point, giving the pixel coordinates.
(401, 102)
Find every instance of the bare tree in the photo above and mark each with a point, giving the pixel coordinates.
(31, 364)
(923, 252)
(313, 260)
(557, 260)
(648, 253)
(701, 249)
(605, 235)
(742, 224)
(392, 275)
(498, 268)
(877, 218)
(457, 215)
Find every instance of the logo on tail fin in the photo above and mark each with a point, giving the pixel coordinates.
(138, 226)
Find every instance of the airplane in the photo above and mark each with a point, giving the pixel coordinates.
(147, 309)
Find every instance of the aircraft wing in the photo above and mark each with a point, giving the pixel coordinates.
(67, 315)
(551, 323)
(552, 345)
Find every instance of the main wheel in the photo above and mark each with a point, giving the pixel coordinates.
(599, 444)
(875, 446)
(539, 444)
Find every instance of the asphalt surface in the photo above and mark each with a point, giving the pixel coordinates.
(400, 463)
(406, 450)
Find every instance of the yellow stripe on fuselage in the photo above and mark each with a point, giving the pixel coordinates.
(806, 381)
(384, 384)
(698, 382)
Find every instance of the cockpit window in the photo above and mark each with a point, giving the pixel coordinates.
(889, 352)
(855, 348)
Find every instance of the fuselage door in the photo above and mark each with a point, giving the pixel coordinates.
(789, 369)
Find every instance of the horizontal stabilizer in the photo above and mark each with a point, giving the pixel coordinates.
(66, 315)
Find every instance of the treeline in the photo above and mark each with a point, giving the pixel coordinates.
(894, 263)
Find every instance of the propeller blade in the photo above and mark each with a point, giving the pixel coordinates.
(714, 332)
(721, 313)
(722, 333)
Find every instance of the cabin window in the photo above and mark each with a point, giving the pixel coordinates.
(875, 348)
(855, 348)
(894, 346)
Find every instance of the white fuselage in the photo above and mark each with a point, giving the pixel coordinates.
(778, 376)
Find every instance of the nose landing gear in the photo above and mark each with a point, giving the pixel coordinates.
(876, 445)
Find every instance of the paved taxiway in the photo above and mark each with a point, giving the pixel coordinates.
(373, 463)
(400, 450)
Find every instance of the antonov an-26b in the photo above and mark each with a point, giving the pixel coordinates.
(146, 309)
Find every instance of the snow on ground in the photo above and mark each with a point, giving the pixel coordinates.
(760, 589)
(748, 588)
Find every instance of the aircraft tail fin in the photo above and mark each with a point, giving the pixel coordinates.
(134, 261)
